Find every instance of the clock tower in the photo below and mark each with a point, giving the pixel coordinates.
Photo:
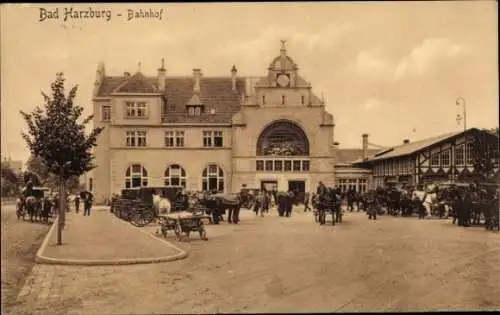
(283, 87)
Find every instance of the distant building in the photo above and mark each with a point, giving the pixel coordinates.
(15, 165)
(441, 158)
(211, 133)
(349, 175)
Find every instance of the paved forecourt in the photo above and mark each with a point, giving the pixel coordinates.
(102, 239)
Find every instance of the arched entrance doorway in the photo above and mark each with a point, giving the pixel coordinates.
(283, 157)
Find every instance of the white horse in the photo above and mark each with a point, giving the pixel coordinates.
(430, 200)
(161, 205)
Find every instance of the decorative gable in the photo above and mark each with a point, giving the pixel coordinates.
(137, 83)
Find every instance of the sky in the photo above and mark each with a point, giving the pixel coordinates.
(392, 70)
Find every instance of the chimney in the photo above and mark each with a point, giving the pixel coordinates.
(234, 71)
(162, 73)
(365, 146)
(126, 74)
(406, 141)
(197, 76)
(99, 78)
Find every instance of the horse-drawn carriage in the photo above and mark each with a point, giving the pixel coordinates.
(137, 205)
(33, 204)
(184, 222)
(327, 204)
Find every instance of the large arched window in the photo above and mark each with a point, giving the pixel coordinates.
(283, 138)
(175, 175)
(136, 176)
(213, 178)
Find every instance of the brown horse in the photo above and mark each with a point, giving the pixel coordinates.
(32, 206)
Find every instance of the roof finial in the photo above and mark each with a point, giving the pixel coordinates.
(283, 48)
(322, 98)
(162, 63)
(139, 67)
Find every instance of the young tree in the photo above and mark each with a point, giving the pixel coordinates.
(56, 134)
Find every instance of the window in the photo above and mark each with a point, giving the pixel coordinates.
(213, 178)
(434, 160)
(195, 110)
(136, 138)
(305, 166)
(175, 175)
(296, 166)
(106, 113)
(136, 109)
(303, 99)
(288, 166)
(259, 166)
(278, 165)
(342, 185)
(445, 158)
(459, 155)
(269, 166)
(362, 185)
(212, 139)
(136, 176)
(470, 153)
(174, 139)
(283, 99)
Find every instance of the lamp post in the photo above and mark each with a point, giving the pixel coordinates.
(461, 101)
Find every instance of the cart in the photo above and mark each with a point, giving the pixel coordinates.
(183, 223)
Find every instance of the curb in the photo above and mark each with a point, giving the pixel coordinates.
(40, 259)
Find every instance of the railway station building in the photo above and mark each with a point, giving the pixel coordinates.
(212, 133)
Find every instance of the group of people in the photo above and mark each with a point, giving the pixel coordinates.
(45, 204)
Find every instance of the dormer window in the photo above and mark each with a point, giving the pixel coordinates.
(195, 110)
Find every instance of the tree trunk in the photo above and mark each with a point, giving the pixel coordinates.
(62, 211)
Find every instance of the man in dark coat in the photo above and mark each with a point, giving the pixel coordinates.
(306, 202)
(87, 201)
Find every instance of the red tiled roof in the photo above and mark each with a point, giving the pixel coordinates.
(215, 94)
(351, 155)
(137, 83)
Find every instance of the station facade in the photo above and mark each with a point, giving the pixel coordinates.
(212, 133)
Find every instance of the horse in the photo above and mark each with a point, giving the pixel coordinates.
(161, 205)
(32, 206)
(219, 203)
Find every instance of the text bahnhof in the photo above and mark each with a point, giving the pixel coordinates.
(77, 14)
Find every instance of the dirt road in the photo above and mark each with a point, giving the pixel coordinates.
(20, 241)
(275, 264)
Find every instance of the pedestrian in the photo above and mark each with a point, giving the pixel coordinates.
(266, 200)
(87, 203)
(258, 203)
(350, 200)
(306, 202)
(77, 204)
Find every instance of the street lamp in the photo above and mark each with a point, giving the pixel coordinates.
(461, 101)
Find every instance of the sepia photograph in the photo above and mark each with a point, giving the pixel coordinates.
(246, 157)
